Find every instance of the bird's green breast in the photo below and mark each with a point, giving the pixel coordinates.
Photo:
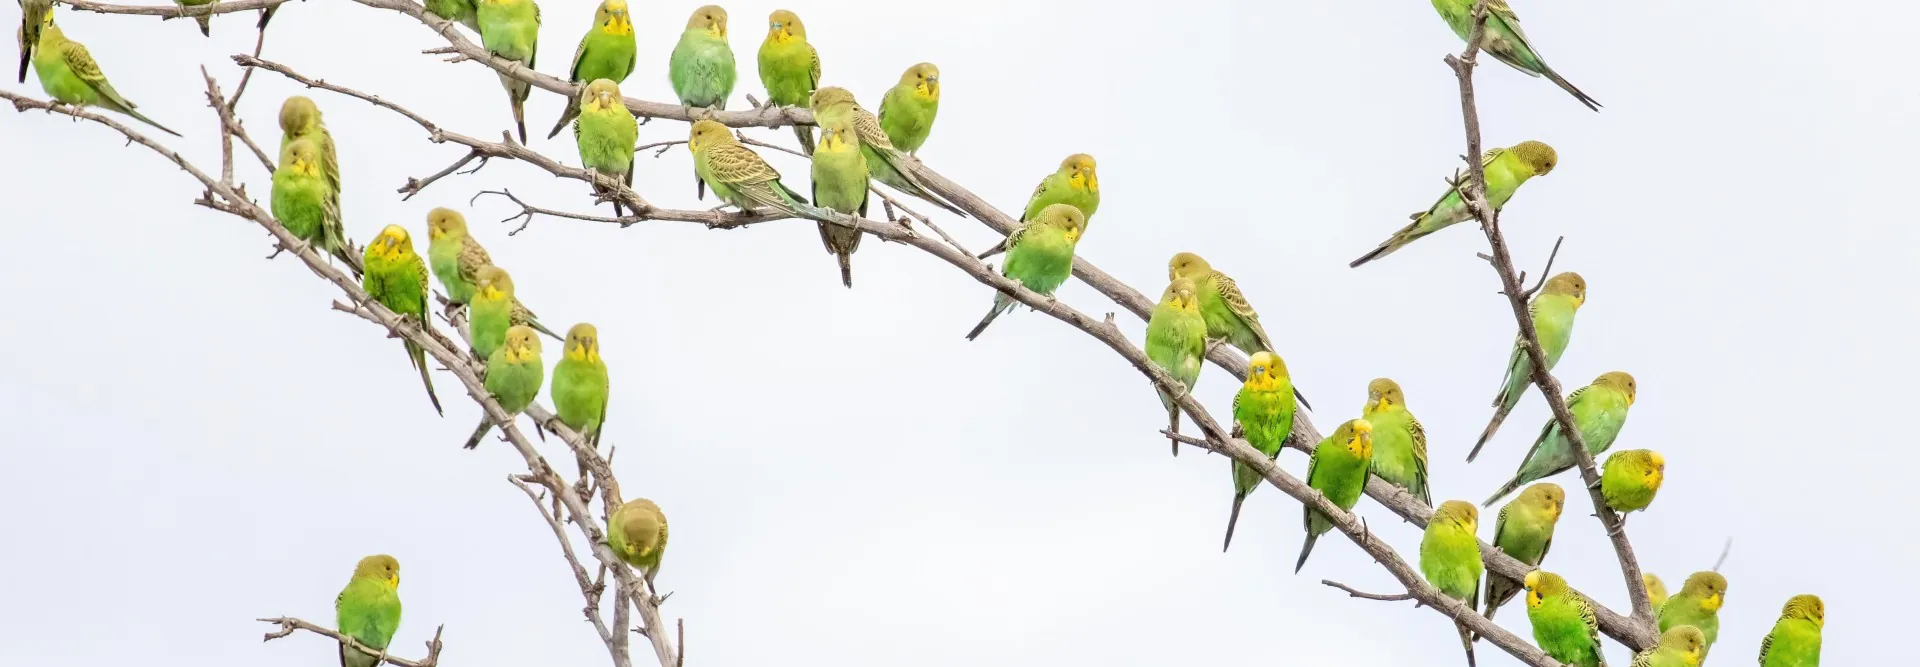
(299, 202)
(443, 254)
(50, 63)
(1393, 456)
(514, 384)
(1042, 259)
(786, 67)
(1338, 473)
(907, 119)
(839, 178)
(488, 322)
(607, 56)
(702, 69)
(606, 140)
(579, 392)
(1265, 415)
(1525, 534)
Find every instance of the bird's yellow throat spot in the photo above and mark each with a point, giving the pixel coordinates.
(1713, 602)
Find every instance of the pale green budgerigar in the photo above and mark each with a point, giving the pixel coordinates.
(1399, 442)
(701, 68)
(1337, 470)
(1503, 39)
(1681, 646)
(606, 133)
(1524, 531)
(1697, 604)
(840, 184)
(637, 533)
(1563, 621)
(908, 110)
(1177, 342)
(1040, 257)
(368, 609)
(579, 388)
(1552, 311)
(33, 17)
(396, 277)
(448, 242)
(68, 74)
(513, 377)
(1630, 478)
(1263, 415)
(1450, 555)
(885, 163)
(607, 51)
(300, 120)
(463, 12)
(1228, 315)
(1656, 590)
(741, 177)
(790, 68)
(1506, 170)
(495, 309)
(1075, 182)
(205, 20)
(511, 29)
(1795, 639)
(304, 204)
(1599, 409)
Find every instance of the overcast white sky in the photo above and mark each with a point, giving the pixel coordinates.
(196, 441)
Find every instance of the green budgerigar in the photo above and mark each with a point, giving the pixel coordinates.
(790, 68)
(33, 17)
(1075, 182)
(1506, 170)
(1503, 39)
(1450, 557)
(1681, 646)
(1563, 621)
(885, 163)
(908, 110)
(579, 388)
(304, 204)
(840, 184)
(463, 12)
(606, 133)
(1630, 478)
(510, 29)
(637, 533)
(701, 68)
(741, 177)
(397, 278)
(1337, 470)
(513, 377)
(1552, 311)
(1599, 409)
(300, 119)
(1795, 639)
(1524, 530)
(1656, 590)
(1399, 441)
(1177, 342)
(1229, 317)
(495, 309)
(204, 20)
(368, 609)
(1697, 604)
(454, 254)
(69, 75)
(607, 51)
(1263, 415)
(1040, 257)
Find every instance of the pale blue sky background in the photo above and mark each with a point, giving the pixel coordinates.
(195, 440)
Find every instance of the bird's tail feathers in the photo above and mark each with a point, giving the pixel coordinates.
(1567, 86)
(1499, 416)
(1232, 519)
(206, 25)
(1400, 239)
(1306, 548)
(1504, 490)
(418, 356)
(1001, 303)
(479, 432)
(805, 135)
(566, 116)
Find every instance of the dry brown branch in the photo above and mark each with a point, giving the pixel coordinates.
(1362, 594)
(590, 589)
(289, 624)
(167, 12)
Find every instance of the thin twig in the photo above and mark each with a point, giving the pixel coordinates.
(289, 624)
(168, 12)
(589, 588)
(1370, 596)
(259, 43)
(1725, 550)
(527, 211)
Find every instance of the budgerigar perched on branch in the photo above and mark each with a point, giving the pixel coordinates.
(514, 374)
(884, 162)
(637, 533)
(840, 183)
(1506, 170)
(1263, 415)
(1450, 557)
(1040, 257)
(1795, 639)
(605, 52)
(1399, 441)
(1177, 341)
(790, 68)
(397, 278)
(368, 609)
(1075, 182)
(511, 29)
(606, 133)
(741, 177)
(1563, 621)
(1697, 604)
(68, 74)
(1338, 470)
(1599, 409)
(908, 110)
(1525, 531)
(1503, 39)
(1552, 311)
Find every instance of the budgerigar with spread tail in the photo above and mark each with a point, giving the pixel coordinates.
(1629, 479)
(368, 609)
(511, 29)
(1450, 557)
(33, 17)
(304, 204)
(1338, 470)
(69, 75)
(840, 183)
(397, 278)
(1040, 257)
(1229, 317)
(790, 68)
(605, 52)
(495, 309)
(1563, 621)
(1263, 415)
(1682, 646)
(1795, 639)
(1076, 182)
(1525, 532)
(741, 177)
(1697, 604)
(884, 162)
(514, 374)
(606, 133)
(1503, 39)
(637, 533)
(1506, 170)
(1177, 342)
(1399, 441)
(908, 110)
(1552, 311)
(1599, 409)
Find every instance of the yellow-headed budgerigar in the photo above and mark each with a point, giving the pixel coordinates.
(1795, 639)
(1630, 478)
(1399, 442)
(1076, 182)
(511, 29)
(495, 309)
(1552, 311)
(454, 254)
(606, 133)
(1040, 257)
(397, 278)
(1177, 341)
(884, 162)
(1599, 409)
(840, 183)
(1563, 621)
(637, 533)
(368, 609)
(701, 68)
(1525, 531)
(1681, 646)
(1697, 604)
(514, 374)
(790, 68)
(1263, 415)
(605, 52)
(305, 205)
(907, 112)
(68, 74)
(1337, 470)
(1506, 170)
(741, 177)
(1450, 557)
(1228, 315)
(1503, 39)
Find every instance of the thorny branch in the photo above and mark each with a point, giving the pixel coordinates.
(289, 624)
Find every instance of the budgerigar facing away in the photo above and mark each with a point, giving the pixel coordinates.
(368, 609)
(1525, 531)
(397, 278)
(1697, 604)
(511, 29)
(741, 177)
(1795, 639)
(1599, 409)
(1630, 478)
(1563, 621)
(908, 110)
(1506, 170)
(1552, 311)
(1450, 558)
(68, 74)
(1656, 591)
(1682, 646)
(1503, 39)
(1177, 341)
(790, 68)
(1229, 317)
(1263, 415)
(840, 183)
(605, 52)
(462, 12)
(1040, 257)
(1399, 442)
(637, 533)
(606, 133)
(1338, 469)
(513, 376)
(1075, 182)
(884, 162)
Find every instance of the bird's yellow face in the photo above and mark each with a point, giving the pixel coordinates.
(710, 18)
(1180, 295)
(1264, 371)
(707, 133)
(613, 19)
(600, 95)
(393, 242)
(784, 25)
(493, 284)
(1187, 265)
(1534, 595)
(1709, 587)
(1459, 512)
(583, 343)
(925, 79)
(1382, 393)
(1069, 219)
(442, 222)
(305, 158)
(835, 137)
(1807, 607)
(1619, 381)
(1550, 498)
(828, 97)
(381, 568)
(1537, 156)
(1656, 470)
(1568, 284)
(1360, 438)
(1081, 173)
(522, 344)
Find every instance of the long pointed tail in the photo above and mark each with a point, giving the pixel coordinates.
(537, 326)
(1466, 640)
(1232, 519)
(1001, 304)
(418, 356)
(1504, 490)
(805, 135)
(1306, 548)
(26, 57)
(1400, 239)
(846, 268)
(206, 25)
(1566, 86)
(142, 118)
(1302, 398)
(479, 432)
(995, 250)
(265, 16)
(572, 111)
(1499, 415)
(1173, 420)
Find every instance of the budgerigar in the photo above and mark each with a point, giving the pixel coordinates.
(511, 29)
(1450, 557)
(368, 609)
(1040, 257)
(579, 388)
(1630, 479)
(1177, 342)
(33, 16)
(840, 183)
(790, 68)
(1599, 409)
(304, 204)
(606, 133)
(1263, 415)
(1681, 646)
(513, 376)
(701, 68)
(495, 308)
(1656, 590)
(1525, 531)
(1229, 317)
(1697, 604)
(1338, 470)
(300, 119)
(447, 242)
(605, 52)
(397, 278)
(637, 533)
(1399, 442)
(205, 20)
(68, 74)
(1563, 621)
(1552, 311)
(1506, 170)
(884, 162)
(1795, 639)
(463, 12)
(741, 177)
(1075, 182)
(1503, 39)
(908, 110)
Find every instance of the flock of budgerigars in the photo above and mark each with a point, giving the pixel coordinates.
(1199, 306)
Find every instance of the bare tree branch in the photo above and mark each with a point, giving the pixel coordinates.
(289, 624)
(168, 12)
(1370, 596)
(590, 589)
